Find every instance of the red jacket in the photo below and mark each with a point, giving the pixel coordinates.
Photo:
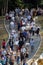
(3, 43)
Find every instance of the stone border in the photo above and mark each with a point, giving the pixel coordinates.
(9, 37)
(36, 51)
(7, 32)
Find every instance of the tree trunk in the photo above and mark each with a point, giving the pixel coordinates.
(2, 12)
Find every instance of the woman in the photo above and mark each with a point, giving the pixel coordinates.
(3, 43)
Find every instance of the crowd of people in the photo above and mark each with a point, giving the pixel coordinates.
(22, 27)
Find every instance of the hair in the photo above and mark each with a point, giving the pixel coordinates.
(3, 39)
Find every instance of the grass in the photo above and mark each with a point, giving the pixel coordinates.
(40, 21)
(40, 18)
(2, 17)
(3, 32)
(41, 33)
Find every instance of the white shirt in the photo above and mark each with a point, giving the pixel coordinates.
(0, 63)
(16, 42)
(23, 50)
(25, 19)
(23, 23)
(27, 44)
(33, 23)
(10, 15)
(11, 25)
(29, 17)
(3, 52)
(15, 36)
(12, 18)
(23, 28)
(6, 14)
(31, 42)
(34, 28)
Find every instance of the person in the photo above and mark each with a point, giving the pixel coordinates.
(33, 29)
(8, 50)
(23, 51)
(12, 59)
(0, 63)
(27, 53)
(38, 29)
(32, 44)
(25, 35)
(3, 51)
(24, 62)
(11, 43)
(29, 17)
(26, 11)
(33, 62)
(18, 57)
(3, 60)
(11, 25)
(6, 16)
(21, 43)
(17, 18)
(15, 36)
(19, 26)
(3, 44)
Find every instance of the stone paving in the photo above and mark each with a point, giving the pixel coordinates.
(36, 38)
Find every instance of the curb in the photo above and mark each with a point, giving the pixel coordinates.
(36, 51)
(7, 32)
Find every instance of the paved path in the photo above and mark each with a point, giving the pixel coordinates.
(37, 40)
(39, 51)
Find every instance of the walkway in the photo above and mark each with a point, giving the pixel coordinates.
(39, 51)
(37, 40)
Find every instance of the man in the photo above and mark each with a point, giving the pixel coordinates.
(11, 26)
(32, 44)
(25, 35)
(24, 62)
(29, 17)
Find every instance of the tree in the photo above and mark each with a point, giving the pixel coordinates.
(3, 6)
(32, 3)
(19, 3)
(6, 5)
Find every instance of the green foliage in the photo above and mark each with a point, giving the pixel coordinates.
(28, 5)
(19, 3)
(1, 4)
(12, 4)
(41, 2)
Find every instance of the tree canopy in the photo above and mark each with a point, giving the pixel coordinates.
(6, 5)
